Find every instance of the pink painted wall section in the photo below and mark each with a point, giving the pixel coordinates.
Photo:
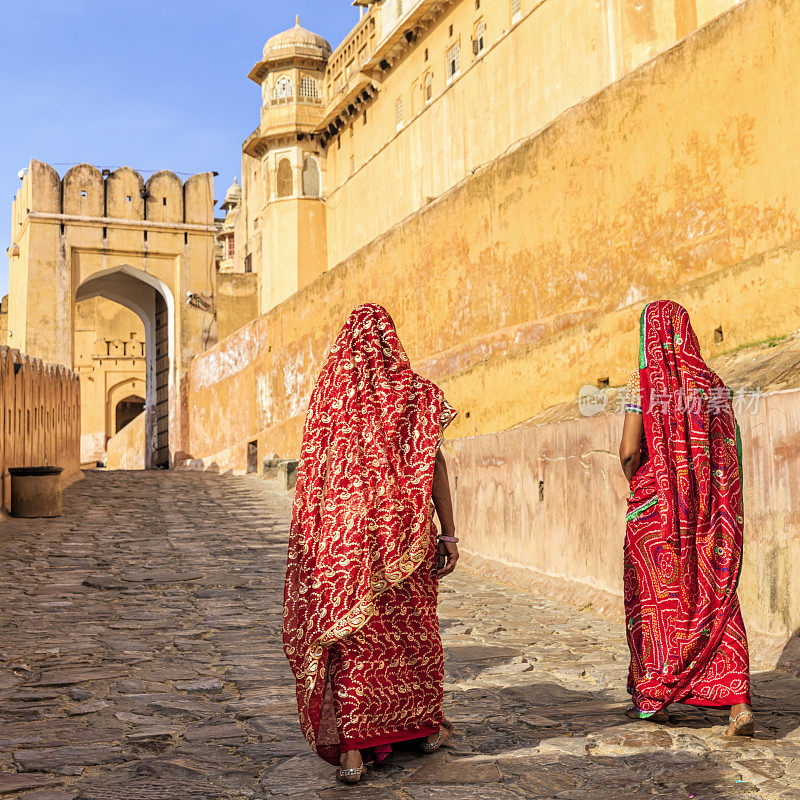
(544, 507)
(40, 423)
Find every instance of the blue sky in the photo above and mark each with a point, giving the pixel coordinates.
(154, 85)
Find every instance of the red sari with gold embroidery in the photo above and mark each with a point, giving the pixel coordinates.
(360, 626)
(683, 545)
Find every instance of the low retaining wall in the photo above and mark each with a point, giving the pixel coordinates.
(40, 425)
(125, 450)
(543, 507)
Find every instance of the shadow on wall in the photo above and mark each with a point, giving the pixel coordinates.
(789, 660)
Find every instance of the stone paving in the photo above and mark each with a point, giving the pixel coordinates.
(140, 658)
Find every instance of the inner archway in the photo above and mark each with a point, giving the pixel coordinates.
(127, 410)
(153, 303)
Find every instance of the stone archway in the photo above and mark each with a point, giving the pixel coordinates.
(123, 399)
(152, 301)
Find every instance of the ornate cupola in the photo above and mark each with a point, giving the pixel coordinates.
(290, 75)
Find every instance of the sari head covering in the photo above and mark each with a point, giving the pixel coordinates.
(361, 515)
(685, 528)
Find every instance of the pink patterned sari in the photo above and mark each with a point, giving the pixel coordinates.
(683, 544)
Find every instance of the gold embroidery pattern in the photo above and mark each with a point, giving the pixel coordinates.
(360, 522)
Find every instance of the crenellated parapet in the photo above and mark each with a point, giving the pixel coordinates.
(88, 193)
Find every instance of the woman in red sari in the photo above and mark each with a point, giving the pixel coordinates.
(360, 626)
(681, 451)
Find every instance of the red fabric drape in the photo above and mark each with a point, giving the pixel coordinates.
(683, 546)
(361, 528)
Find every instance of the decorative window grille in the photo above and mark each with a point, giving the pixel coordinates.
(283, 88)
(308, 88)
(516, 10)
(284, 175)
(480, 38)
(398, 113)
(453, 62)
(311, 181)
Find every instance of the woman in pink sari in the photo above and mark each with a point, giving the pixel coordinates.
(681, 452)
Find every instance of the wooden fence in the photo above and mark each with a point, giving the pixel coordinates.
(40, 417)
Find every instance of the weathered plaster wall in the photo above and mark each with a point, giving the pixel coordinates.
(126, 448)
(545, 506)
(237, 301)
(534, 67)
(40, 418)
(525, 281)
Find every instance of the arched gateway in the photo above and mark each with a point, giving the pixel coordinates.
(146, 246)
(152, 301)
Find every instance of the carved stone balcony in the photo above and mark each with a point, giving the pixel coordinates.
(284, 118)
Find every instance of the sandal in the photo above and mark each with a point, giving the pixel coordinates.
(351, 776)
(660, 717)
(431, 747)
(743, 724)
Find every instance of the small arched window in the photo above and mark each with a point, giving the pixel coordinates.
(284, 176)
(311, 182)
(308, 88)
(428, 87)
(283, 88)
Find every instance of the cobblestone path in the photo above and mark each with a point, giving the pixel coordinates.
(139, 642)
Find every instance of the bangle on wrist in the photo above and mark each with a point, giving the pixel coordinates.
(448, 539)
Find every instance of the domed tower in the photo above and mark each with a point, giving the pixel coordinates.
(227, 234)
(283, 168)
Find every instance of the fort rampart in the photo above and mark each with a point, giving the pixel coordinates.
(526, 280)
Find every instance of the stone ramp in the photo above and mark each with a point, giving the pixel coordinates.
(141, 658)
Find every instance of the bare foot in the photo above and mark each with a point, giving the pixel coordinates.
(352, 767)
(433, 742)
(741, 721)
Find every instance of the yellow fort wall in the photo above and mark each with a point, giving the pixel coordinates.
(525, 280)
(553, 55)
